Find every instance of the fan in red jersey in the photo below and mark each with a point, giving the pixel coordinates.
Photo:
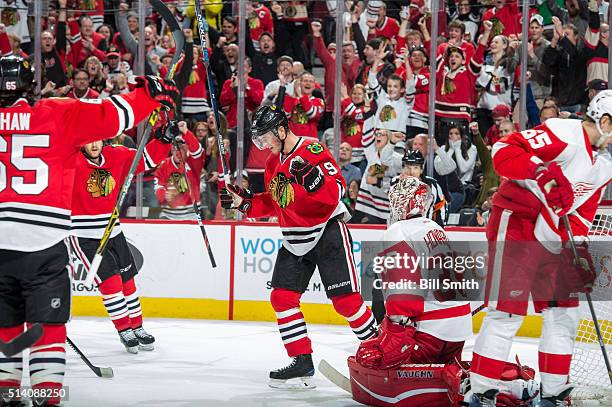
(39, 147)
(100, 173)
(304, 190)
(560, 167)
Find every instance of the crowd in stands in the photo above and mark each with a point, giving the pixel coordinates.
(90, 50)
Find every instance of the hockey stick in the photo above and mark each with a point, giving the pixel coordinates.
(105, 372)
(179, 41)
(589, 300)
(335, 376)
(22, 342)
(196, 209)
(202, 30)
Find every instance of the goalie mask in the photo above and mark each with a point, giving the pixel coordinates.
(408, 197)
(600, 106)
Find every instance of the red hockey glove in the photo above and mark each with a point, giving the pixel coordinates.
(162, 90)
(233, 197)
(556, 188)
(390, 348)
(306, 174)
(578, 276)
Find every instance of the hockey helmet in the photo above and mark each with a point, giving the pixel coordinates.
(413, 158)
(266, 119)
(600, 106)
(408, 197)
(16, 78)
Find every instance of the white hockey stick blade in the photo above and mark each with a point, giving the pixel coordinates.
(105, 372)
(93, 270)
(335, 376)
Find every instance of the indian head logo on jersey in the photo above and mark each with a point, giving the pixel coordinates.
(281, 190)
(100, 183)
(298, 115)
(387, 114)
(350, 127)
(179, 181)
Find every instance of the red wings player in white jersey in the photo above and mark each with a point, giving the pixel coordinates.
(551, 170)
(304, 190)
(39, 145)
(100, 172)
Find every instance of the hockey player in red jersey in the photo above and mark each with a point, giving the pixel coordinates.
(39, 145)
(100, 172)
(304, 190)
(552, 170)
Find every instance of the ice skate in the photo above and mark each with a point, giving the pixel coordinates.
(145, 340)
(297, 375)
(486, 399)
(129, 340)
(560, 400)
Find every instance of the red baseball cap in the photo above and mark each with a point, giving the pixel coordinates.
(500, 111)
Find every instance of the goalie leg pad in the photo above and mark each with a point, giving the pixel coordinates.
(11, 368)
(115, 302)
(291, 324)
(492, 348)
(48, 360)
(359, 317)
(556, 348)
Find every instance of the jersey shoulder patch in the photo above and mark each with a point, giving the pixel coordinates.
(315, 148)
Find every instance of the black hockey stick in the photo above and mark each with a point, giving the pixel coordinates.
(105, 372)
(589, 300)
(196, 208)
(22, 342)
(179, 41)
(202, 30)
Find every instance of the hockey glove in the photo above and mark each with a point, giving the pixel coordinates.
(167, 132)
(556, 188)
(390, 348)
(578, 276)
(305, 174)
(233, 197)
(162, 90)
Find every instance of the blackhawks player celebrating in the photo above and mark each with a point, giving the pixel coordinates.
(304, 190)
(552, 170)
(39, 146)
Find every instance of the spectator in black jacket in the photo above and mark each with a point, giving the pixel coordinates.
(54, 55)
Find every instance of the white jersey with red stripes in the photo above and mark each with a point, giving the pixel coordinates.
(39, 146)
(565, 142)
(422, 238)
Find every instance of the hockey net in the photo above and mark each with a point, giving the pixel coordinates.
(588, 370)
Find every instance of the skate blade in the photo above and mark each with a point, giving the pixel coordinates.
(298, 383)
(133, 349)
(148, 347)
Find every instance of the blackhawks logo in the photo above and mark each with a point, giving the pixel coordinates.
(298, 115)
(179, 181)
(387, 114)
(350, 127)
(281, 190)
(315, 148)
(100, 183)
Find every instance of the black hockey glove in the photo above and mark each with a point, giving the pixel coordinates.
(162, 90)
(306, 174)
(167, 132)
(233, 197)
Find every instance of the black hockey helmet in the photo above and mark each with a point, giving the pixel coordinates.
(266, 119)
(413, 158)
(16, 79)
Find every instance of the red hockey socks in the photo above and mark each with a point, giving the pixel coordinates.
(114, 302)
(359, 317)
(48, 360)
(133, 303)
(11, 368)
(291, 324)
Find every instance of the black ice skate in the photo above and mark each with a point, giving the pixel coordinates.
(129, 340)
(297, 375)
(145, 340)
(560, 400)
(486, 399)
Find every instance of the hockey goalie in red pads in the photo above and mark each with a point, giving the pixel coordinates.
(555, 169)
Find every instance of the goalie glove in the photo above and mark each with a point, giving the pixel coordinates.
(305, 174)
(578, 274)
(556, 188)
(390, 348)
(233, 197)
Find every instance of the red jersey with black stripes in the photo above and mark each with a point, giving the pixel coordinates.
(302, 215)
(97, 186)
(39, 147)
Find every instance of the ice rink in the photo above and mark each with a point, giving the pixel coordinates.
(207, 363)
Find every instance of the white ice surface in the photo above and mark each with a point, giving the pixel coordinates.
(209, 363)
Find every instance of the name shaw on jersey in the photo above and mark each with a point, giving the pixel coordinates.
(10, 121)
